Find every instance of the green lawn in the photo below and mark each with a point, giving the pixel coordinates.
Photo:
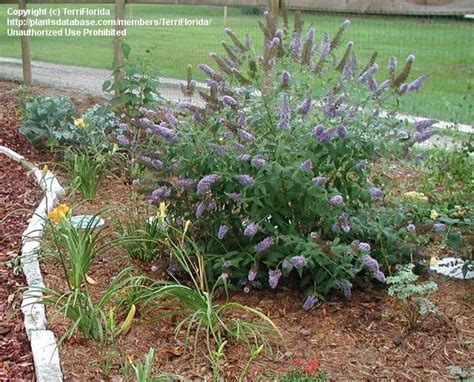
(443, 47)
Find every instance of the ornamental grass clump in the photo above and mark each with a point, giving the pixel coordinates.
(276, 158)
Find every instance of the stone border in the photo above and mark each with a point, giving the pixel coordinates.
(43, 343)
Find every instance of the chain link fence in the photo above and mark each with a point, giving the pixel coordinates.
(186, 34)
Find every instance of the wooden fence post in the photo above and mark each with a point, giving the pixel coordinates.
(118, 51)
(25, 46)
(225, 16)
(273, 7)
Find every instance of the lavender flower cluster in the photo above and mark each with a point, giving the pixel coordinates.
(373, 266)
(206, 182)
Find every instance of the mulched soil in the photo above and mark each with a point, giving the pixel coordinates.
(361, 339)
(19, 196)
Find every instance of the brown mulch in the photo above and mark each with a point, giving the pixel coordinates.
(19, 196)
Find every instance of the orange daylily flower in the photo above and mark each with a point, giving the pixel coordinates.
(59, 213)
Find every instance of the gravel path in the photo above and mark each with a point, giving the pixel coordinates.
(77, 78)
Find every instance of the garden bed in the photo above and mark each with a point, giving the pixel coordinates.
(364, 338)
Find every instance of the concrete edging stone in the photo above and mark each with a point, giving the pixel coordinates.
(43, 343)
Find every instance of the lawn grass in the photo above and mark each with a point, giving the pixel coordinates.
(443, 48)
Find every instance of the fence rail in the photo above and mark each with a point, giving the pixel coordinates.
(398, 7)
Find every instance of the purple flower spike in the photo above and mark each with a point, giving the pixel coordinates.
(285, 115)
(424, 124)
(370, 263)
(205, 183)
(310, 301)
(156, 164)
(376, 193)
(411, 228)
(258, 161)
(336, 200)
(207, 70)
(230, 101)
(163, 132)
(364, 247)
(200, 209)
(379, 276)
(264, 245)
(244, 135)
(325, 49)
(235, 196)
(123, 140)
(307, 165)
(285, 79)
(295, 46)
(223, 229)
(298, 261)
(273, 278)
(417, 84)
(423, 136)
(392, 64)
(145, 122)
(159, 194)
(251, 230)
(319, 181)
(341, 131)
(439, 227)
(245, 180)
(305, 107)
(252, 275)
(211, 206)
(171, 118)
(318, 131)
(219, 149)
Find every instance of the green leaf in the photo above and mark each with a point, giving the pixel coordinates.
(106, 85)
(454, 240)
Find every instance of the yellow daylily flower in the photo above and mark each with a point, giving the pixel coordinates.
(59, 213)
(434, 215)
(162, 210)
(44, 170)
(186, 226)
(80, 122)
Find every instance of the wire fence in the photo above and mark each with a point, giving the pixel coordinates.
(186, 34)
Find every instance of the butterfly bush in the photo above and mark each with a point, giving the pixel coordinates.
(271, 165)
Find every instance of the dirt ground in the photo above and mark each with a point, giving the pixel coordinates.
(364, 338)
